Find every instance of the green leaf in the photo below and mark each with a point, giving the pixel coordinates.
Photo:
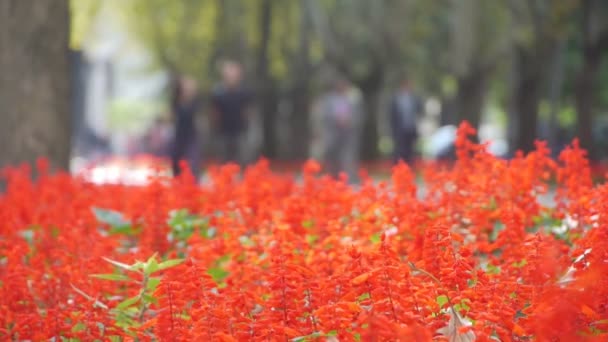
(307, 338)
(152, 284)
(491, 269)
(79, 327)
(308, 224)
(332, 333)
(311, 239)
(101, 327)
(113, 277)
(375, 238)
(363, 297)
(70, 339)
(133, 267)
(169, 263)
(183, 224)
(246, 241)
(28, 235)
(127, 302)
(498, 227)
(491, 204)
(111, 218)
(149, 299)
(217, 273)
(442, 300)
(55, 231)
(462, 305)
(210, 233)
(151, 265)
(125, 230)
(520, 264)
(138, 266)
(223, 259)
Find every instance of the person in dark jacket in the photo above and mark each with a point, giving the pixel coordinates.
(185, 105)
(404, 111)
(231, 103)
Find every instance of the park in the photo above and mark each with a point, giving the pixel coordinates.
(303, 170)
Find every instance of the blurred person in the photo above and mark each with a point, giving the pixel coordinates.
(230, 104)
(158, 138)
(185, 104)
(405, 108)
(341, 117)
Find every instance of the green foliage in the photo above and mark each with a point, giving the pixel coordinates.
(116, 221)
(217, 271)
(184, 224)
(127, 115)
(82, 15)
(113, 277)
(442, 300)
(130, 312)
(363, 297)
(492, 269)
(110, 217)
(316, 336)
(376, 238)
(179, 33)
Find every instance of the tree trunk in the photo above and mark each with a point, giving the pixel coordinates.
(370, 86)
(555, 93)
(586, 81)
(585, 97)
(527, 97)
(300, 96)
(34, 82)
(269, 108)
(471, 96)
(369, 131)
(300, 122)
(267, 88)
(230, 40)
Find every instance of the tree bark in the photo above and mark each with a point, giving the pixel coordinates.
(585, 98)
(34, 82)
(369, 131)
(527, 96)
(555, 93)
(267, 88)
(300, 121)
(470, 97)
(370, 86)
(301, 92)
(594, 49)
(269, 108)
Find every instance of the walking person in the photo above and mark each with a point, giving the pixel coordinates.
(185, 105)
(158, 138)
(404, 111)
(341, 116)
(231, 102)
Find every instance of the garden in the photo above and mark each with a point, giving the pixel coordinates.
(266, 257)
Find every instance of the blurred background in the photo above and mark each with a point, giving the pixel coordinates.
(518, 70)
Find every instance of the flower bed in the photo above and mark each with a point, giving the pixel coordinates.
(264, 258)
